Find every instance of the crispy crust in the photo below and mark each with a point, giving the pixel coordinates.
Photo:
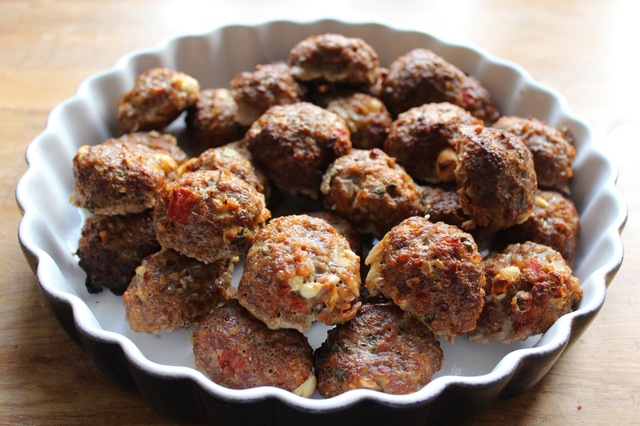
(233, 157)
(295, 143)
(420, 76)
(431, 270)
(158, 97)
(298, 270)
(425, 140)
(111, 247)
(237, 351)
(382, 348)
(496, 178)
(210, 215)
(366, 116)
(266, 86)
(553, 153)
(170, 291)
(120, 176)
(554, 222)
(369, 188)
(211, 120)
(529, 286)
(334, 58)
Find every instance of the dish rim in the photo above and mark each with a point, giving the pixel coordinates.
(501, 372)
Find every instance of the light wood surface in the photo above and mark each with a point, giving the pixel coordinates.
(586, 49)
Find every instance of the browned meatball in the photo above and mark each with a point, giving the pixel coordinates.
(343, 226)
(366, 116)
(210, 215)
(420, 76)
(553, 153)
(211, 121)
(119, 177)
(268, 85)
(529, 286)
(170, 291)
(431, 270)
(334, 58)
(233, 157)
(239, 352)
(295, 143)
(425, 140)
(111, 247)
(382, 348)
(496, 177)
(163, 142)
(158, 97)
(442, 204)
(299, 269)
(370, 189)
(554, 222)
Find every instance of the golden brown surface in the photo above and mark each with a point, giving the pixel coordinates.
(580, 47)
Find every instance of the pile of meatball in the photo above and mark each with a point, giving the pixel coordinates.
(394, 204)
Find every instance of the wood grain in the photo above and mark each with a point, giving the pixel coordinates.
(586, 49)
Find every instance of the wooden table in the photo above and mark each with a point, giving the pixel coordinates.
(586, 49)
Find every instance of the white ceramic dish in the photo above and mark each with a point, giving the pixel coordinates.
(161, 367)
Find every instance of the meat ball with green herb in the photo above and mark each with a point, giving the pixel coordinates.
(267, 85)
(111, 247)
(238, 351)
(157, 98)
(210, 215)
(382, 348)
(211, 120)
(433, 271)
(371, 189)
(294, 144)
(120, 176)
(553, 153)
(529, 286)
(496, 178)
(170, 291)
(420, 76)
(299, 270)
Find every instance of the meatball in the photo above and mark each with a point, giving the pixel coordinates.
(209, 215)
(299, 269)
(233, 157)
(431, 270)
(496, 177)
(343, 226)
(170, 291)
(158, 97)
(211, 121)
(237, 351)
(120, 176)
(442, 204)
(529, 286)
(425, 140)
(370, 189)
(334, 58)
(554, 222)
(268, 85)
(382, 348)
(553, 153)
(366, 116)
(420, 76)
(295, 143)
(162, 142)
(111, 247)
